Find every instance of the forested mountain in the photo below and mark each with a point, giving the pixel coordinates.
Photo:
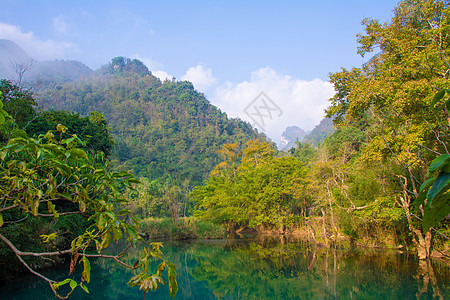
(293, 134)
(290, 136)
(162, 129)
(320, 132)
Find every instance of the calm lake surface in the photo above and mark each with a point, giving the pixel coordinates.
(260, 268)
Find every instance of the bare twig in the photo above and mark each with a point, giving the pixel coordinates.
(60, 214)
(17, 221)
(435, 152)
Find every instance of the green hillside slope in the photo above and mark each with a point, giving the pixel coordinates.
(162, 129)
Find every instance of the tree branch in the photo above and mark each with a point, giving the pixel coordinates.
(60, 214)
(115, 257)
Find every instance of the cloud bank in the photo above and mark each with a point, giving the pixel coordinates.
(154, 67)
(201, 77)
(36, 48)
(290, 101)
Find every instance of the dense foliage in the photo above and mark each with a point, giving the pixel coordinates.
(253, 188)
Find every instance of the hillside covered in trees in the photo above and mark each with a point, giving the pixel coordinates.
(162, 129)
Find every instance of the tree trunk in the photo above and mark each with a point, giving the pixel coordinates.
(421, 242)
(324, 228)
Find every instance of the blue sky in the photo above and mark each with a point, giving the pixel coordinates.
(230, 50)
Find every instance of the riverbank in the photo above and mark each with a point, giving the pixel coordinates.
(313, 230)
(181, 229)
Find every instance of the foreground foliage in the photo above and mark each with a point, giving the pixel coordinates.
(50, 176)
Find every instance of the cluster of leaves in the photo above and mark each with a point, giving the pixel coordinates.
(59, 175)
(92, 129)
(18, 102)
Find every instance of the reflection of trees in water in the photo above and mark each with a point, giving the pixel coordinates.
(284, 268)
(266, 268)
(425, 275)
(275, 268)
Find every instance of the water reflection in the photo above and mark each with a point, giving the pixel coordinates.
(267, 268)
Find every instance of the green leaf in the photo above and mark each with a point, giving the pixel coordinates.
(65, 281)
(73, 246)
(73, 284)
(439, 162)
(51, 209)
(173, 286)
(133, 180)
(53, 149)
(34, 206)
(84, 288)
(436, 212)
(440, 186)
(110, 214)
(124, 212)
(117, 233)
(106, 240)
(420, 199)
(2, 155)
(19, 133)
(427, 183)
(1, 220)
(87, 269)
(82, 206)
(436, 98)
(77, 152)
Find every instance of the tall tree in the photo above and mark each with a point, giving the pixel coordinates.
(253, 188)
(390, 96)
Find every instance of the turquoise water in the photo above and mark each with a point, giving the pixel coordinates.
(260, 268)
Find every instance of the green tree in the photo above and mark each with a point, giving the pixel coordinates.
(92, 129)
(18, 102)
(252, 188)
(390, 96)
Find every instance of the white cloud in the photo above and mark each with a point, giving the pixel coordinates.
(201, 77)
(151, 64)
(154, 67)
(36, 48)
(299, 102)
(60, 24)
(162, 75)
